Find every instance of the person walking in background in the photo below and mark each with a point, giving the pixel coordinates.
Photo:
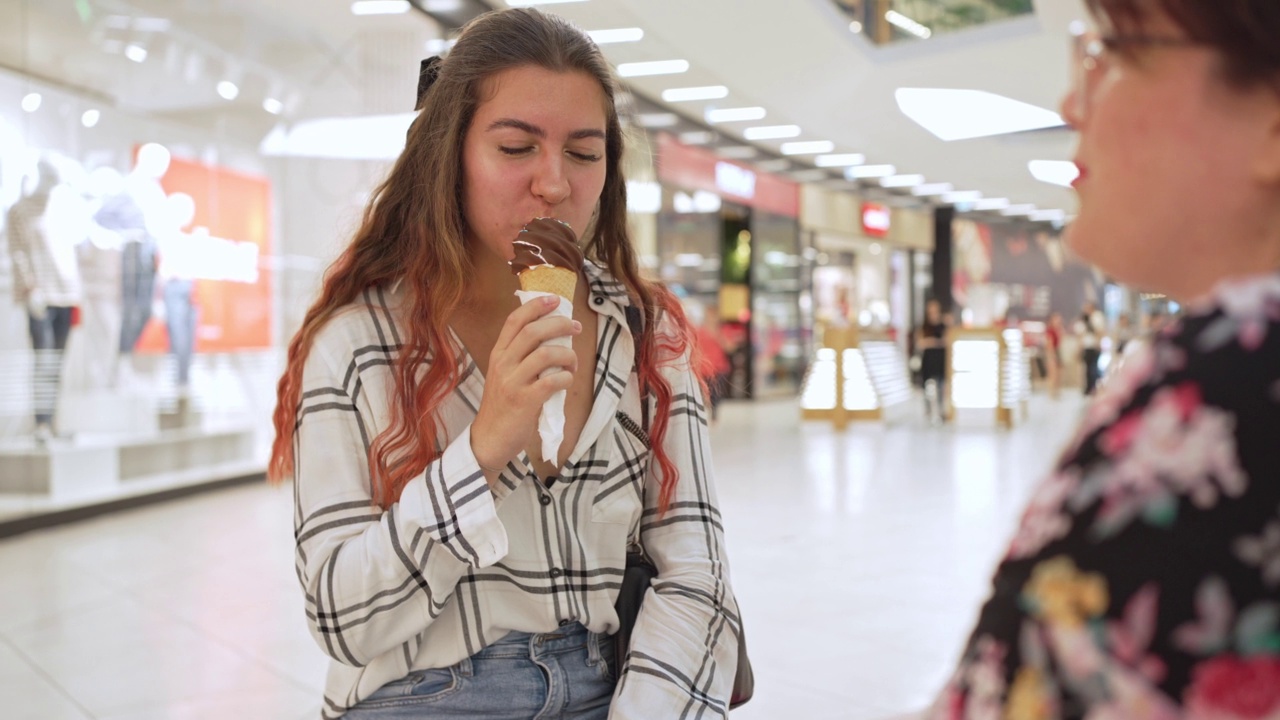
(715, 365)
(1143, 580)
(1089, 329)
(931, 338)
(1053, 353)
(449, 569)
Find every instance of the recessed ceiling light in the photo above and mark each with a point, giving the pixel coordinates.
(869, 171)
(31, 102)
(963, 114)
(90, 118)
(1054, 172)
(709, 92)
(616, 35)
(228, 90)
(897, 181)
(655, 67)
(741, 114)
(771, 132)
(841, 160)
(273, 106)
(135, 52)
(379, 7)
(809, 147)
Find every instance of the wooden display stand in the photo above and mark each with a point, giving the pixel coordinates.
(978, 378)
(850, 355)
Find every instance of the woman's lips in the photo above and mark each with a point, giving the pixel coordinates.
(1082, 173)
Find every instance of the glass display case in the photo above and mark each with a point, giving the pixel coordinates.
(988, 369)
(855, 375)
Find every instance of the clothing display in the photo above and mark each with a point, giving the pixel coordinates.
(44, 260)
(455, 566)
(1144, 579)
(122, 214)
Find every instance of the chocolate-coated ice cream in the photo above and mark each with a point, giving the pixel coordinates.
(546, 242)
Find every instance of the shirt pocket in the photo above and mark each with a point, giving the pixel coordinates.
(620, 497)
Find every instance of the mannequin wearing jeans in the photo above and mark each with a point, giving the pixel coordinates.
(46, 280)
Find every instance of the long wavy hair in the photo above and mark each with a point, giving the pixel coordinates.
(414, 230)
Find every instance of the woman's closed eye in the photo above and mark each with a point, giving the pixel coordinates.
(586, 157)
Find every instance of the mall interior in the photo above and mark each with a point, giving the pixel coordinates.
(805, 175)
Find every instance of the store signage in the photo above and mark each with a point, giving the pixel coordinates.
(735, 180)
(691, 169)
(875, 220)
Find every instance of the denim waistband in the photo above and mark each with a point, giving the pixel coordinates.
(520, 644)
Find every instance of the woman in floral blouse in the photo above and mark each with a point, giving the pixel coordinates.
(1144, 579)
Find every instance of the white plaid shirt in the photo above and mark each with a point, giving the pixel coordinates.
(455, 566)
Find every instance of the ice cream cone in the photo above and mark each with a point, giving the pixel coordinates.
(549, 279)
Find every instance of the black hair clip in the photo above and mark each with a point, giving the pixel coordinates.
(427, 74)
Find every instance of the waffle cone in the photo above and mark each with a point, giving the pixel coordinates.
(549, 279)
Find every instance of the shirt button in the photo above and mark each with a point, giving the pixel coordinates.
(545, 499)
(556, 572)
(599, 300)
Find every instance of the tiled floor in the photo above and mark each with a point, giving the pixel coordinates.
(859, 559)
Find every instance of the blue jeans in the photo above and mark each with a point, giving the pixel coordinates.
(180, 321)
(564, 675)
(48, 339)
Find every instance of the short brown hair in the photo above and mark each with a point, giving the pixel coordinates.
(1245, 32)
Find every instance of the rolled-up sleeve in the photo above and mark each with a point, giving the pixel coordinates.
(374, 579)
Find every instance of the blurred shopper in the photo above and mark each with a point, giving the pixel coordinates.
(447, 572)
(1144, 579)
(1090, 328)
(714, 365)
(1053, 353)
(931, 338)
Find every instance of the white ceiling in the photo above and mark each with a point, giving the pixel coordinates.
(797, 58)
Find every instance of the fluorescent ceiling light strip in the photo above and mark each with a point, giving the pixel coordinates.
(842, 160)
(657, 120)
(379, 7)
(963, 114)
(531, 3)
(1048, 216)
(697, 137)
(1054, 172)
(737, 152)
(898, 19)
(869, 171)
(655, 67)
(962, 196)
(721, 115)
(771, 132)
(992, 204)
(616, 35)
(932, 189)
(709, 92)
(902, 181)
(1017, 210)
(811, 147)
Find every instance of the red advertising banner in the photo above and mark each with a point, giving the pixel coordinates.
(222, 250)
(694, 168)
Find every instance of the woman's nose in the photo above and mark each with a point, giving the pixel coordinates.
(550, 183)
(1070, 107)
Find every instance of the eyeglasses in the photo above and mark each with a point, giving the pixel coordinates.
(1092, 54)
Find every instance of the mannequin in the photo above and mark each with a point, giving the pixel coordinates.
(42, 235)
(179, 268)
(100, 270)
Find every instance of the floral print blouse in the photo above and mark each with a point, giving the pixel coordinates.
(1144, 578)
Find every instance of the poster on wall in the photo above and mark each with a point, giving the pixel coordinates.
(215, 252)
(1017, 270)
